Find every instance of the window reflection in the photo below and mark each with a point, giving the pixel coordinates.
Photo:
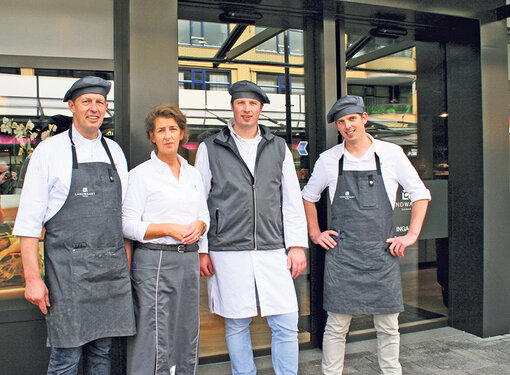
(204, 100)
(206, 34)
(31, 110)
(388, 87)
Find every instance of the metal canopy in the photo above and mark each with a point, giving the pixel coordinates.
(356, 47)
(229, 42)
(253, 42)
(382, 52)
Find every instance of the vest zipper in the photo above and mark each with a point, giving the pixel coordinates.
(254, 214)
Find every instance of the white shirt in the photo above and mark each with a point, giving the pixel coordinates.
(234, 294)
(155, 196)
(395, 169)
(48, 177)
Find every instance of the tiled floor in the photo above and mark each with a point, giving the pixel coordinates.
(442, 351)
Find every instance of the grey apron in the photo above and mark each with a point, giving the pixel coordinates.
(86, 265)
(166, 297)
(361, 276)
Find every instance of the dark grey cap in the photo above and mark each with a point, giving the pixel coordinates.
(247, 89)
(86, 85)
(345, 106)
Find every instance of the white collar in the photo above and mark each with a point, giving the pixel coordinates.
(77, 137)
(368, 155)
(161, 165)
(230, 125)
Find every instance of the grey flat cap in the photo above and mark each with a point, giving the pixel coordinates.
(86, 85)
(247, 89)
(345, 106)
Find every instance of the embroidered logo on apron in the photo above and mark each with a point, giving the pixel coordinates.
(85, 193)
(347, 195)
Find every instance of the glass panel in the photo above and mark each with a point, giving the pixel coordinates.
(31, 110)
(391, 101)
(208, 111)
(373, 45)
(197, 36)
(199, 75)
(269, 82)
(269, 45)
(296, 42)
(215, 33)
(223, 77)
(217, 81)
(184, 32)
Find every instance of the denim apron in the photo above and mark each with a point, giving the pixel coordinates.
(85, 261)
(361, 276)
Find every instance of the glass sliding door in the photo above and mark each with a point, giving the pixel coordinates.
(204, 99)
(402, 83)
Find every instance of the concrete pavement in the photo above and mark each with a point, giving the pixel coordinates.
(441, 351)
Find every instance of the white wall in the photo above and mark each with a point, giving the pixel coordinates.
(57, 28)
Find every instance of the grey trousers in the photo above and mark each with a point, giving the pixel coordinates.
(388, 343)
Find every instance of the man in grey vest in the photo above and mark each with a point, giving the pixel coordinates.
(73, 189)
(256, 215)
(362, 274)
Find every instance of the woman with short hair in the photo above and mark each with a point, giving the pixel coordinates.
(165, 213)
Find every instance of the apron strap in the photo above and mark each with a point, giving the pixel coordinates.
(341, 164)
(377, 163)
(75, 157)
(73, 148)
(107, 149)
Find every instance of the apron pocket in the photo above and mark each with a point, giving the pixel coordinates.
(367, 193)
(376, 255)
(362, 256)
(100, 265)
(109, 181)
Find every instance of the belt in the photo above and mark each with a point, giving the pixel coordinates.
(180, 248)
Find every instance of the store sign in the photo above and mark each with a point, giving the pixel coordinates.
(436, 221)
(301, 148)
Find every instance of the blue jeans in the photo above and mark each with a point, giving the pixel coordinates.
(96, 358)
(284, 344)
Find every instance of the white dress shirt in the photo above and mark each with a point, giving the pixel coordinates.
(258, 276)
(395, 169)
(48, 177)
(155, 196)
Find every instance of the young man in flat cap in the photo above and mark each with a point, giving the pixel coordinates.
(256, 215)
(73, 189)
(362, 274)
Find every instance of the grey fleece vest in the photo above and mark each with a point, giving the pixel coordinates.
(245, 210)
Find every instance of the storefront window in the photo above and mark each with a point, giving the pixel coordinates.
(31, 110)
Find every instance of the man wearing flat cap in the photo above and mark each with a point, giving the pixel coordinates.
(73, 189)
(256, 215)
(362, 274)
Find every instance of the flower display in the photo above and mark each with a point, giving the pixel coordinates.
(25, 134)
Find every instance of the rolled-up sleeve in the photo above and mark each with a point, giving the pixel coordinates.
(408, 177)
(316, 184)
